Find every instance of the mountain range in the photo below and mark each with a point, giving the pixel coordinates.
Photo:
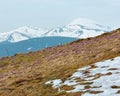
(78, 28)
(26, 39)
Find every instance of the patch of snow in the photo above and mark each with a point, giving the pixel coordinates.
(83, 68)
(77, 88)
(70, 82)
(56, 83)
(102, 78)
(29, 48)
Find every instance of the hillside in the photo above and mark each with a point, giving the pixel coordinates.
(99, 79)
(27, 74)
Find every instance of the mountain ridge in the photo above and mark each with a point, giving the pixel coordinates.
(79, 28)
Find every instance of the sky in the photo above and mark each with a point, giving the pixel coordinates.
(49, 14)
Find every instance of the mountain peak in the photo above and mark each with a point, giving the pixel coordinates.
(78, 28)
(90, 24)
(83, 21)
(22, 33)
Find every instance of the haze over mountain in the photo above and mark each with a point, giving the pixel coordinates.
(79, 28)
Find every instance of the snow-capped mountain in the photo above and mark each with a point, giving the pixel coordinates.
(79, 28)
(22, 33)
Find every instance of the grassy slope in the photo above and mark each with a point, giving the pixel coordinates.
(25, 74)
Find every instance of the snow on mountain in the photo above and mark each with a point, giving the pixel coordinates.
(22, 33)
(99, 79)
(79, 28)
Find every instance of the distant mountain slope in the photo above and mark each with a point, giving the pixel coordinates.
(8, 49)
(79, 28)
(26, 74)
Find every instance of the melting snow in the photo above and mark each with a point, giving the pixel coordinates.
(99, 79)
(55, 83)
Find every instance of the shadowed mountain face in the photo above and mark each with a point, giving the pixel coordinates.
(9, 49)
(26, 74)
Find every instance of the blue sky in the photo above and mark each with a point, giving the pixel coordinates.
(54, 13)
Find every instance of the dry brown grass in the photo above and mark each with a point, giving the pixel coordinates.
(115, 87)
(109, 73)
(97, 76)
(86, 83)
(118, 92)
(75, 94)
(92, 67)
(26, 74)
(80, 80)
(65, 87)
(87, 87)
(96, 86)
(95, 92)
(113, 69)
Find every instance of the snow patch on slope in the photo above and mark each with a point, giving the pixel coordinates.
(99, 79)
